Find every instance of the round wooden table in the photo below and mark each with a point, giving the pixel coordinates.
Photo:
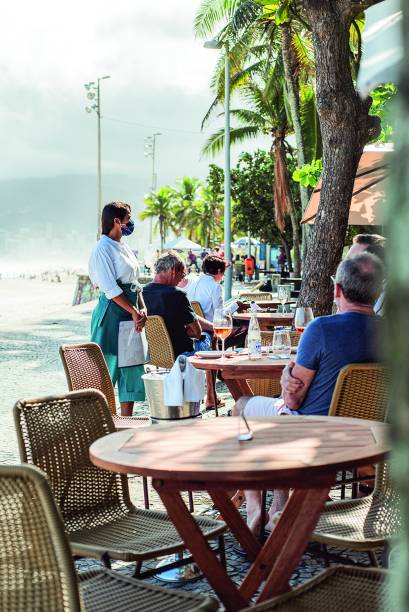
(266, 320)
(303, 453)
(236, 370)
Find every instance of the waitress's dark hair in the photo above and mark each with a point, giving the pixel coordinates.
(111, 211)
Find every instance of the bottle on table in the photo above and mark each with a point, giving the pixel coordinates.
(254, 338)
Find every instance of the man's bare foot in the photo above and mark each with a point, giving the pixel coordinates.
(254, 522)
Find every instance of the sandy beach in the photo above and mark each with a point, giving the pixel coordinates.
(35, 318)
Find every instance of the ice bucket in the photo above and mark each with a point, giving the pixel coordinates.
(154, 384)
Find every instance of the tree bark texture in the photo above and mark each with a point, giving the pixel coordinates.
(345, 127)
(294, 105)
(396, 337)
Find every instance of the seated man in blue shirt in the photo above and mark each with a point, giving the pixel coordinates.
(327, 345)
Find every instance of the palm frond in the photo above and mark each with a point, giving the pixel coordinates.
(310, 124)
(303, 49)
(215, 142)
(245, 15)
(249, 117)
(211, 13)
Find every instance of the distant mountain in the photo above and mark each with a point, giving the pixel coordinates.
(67, 203)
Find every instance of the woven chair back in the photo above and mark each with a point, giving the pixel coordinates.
(55, 433)
(37, 568)
(85, 368)
(159, 343)
(361, 391)
(197, 309)
(258, 296)
(268, 387)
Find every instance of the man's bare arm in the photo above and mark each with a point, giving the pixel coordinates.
(294, 399)
(194, 330)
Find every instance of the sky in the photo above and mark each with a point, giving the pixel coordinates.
(159, 83)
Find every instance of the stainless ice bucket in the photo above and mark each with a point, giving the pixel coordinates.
(154, 382)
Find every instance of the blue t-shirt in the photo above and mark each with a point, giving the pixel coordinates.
(330, 343)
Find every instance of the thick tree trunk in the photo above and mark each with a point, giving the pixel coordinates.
(345, 128)
(397, 319)
(294, 104)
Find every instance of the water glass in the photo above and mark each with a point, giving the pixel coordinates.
(283, 295)
(281, 347)
(275, 281)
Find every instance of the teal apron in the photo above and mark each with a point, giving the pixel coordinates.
(105, 321)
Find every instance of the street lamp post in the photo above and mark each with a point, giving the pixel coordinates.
(94, 94)
(228, 278)
(150, 151)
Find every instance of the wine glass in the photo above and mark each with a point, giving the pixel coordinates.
(222, 325)
(302, 317)
(283, 295)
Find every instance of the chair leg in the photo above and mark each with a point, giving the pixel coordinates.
(106, 560)
(222, 551)
(262, 515)
(145, 492)
(138, 567)
(191, 503)
(343, 488)
(373, 558)
(354, 494)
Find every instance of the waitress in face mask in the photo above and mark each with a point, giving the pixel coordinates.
(114, 268)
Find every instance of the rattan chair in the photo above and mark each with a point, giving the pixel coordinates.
(161, 352)
(361, 391)
(362, 524)
(268, 387)
(197, 309)
(55, 434)
(38, 572)
(259, 296)
(85, 368)
(336, 589)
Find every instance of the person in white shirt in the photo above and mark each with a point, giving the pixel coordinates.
(114, 269)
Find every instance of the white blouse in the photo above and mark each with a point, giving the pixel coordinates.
(112, 261)
(208, 293)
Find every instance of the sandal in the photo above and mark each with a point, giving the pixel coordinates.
(220, 404)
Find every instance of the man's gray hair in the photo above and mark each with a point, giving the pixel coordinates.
(360, 278)
(169, 261)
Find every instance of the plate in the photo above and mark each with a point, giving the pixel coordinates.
(208, 354)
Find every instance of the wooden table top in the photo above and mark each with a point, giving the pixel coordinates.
(242, 366)
(272, 317)
(208, 450)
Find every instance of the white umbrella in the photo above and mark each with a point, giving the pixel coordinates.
(182, 244)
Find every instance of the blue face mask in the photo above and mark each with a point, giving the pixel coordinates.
(128, 229)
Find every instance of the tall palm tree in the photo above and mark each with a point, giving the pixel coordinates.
(185, 196)
(203, 218)
(159, 205)
(266, 113)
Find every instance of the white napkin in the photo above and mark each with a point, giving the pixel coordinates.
(193, 383)
(173, 386)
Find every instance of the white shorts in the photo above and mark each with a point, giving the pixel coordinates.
(260, 406)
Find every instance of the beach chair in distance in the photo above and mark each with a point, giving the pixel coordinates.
(85, 368)
(335, 589)
(55, 434)
(39, 573)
